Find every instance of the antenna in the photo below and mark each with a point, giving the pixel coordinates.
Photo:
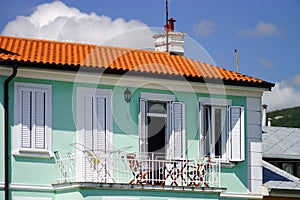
(236, 61)
(167, 25)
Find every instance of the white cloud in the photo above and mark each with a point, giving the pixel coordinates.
(205, 27)
(285, 94)
(262, 29)
(57, 21)
(264, 62)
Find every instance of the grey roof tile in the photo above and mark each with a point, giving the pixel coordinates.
(283, 185)
(281, 142)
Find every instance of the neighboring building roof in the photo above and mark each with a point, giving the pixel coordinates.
(273, 173)
(281, 142)
(279, 182)
(71, 56)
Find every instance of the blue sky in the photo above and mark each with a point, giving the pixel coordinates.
(265, 33)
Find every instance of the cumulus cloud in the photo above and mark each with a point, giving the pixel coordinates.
(57, 21)
(285, 94)
(262, 29)
(205, 27)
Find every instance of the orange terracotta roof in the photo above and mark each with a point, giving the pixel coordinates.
(73, 55)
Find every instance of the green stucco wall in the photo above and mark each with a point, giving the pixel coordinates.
(2, 79)
(43, 171)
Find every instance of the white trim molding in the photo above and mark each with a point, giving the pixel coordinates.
(157, 96)
(129, 80)
(215, 101)
(26, 187)
(241, 195)
(31, 198)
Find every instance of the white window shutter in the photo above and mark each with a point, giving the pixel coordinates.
(201, 130)
(32, 118)
(40, 132)
(143, 140)
(236, 133)
(177, 147)
(88, 121)
(101, 139)
(101, 124)
(88, 135)
(26, 117)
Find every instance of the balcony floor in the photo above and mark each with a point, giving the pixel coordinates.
(124, 186)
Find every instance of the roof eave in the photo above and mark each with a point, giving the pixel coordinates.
(110, 70)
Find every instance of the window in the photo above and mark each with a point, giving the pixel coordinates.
(32, 107)
(214, 131)
(161, 126)
(221, 130)
(288, 167)
(157, 120)
(94, 132)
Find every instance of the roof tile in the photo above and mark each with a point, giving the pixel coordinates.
(76, 54)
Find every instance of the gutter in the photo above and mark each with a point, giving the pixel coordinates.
(292, 193)
(241, 195)
(6, 131)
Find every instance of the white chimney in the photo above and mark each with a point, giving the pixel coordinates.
(269, 121)
(264, 115)
(175, 40)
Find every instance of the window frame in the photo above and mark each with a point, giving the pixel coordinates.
(215, 103)
(32, 151)
(170, 99)
(212, 132)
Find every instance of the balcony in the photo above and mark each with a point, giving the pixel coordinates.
(118, 167)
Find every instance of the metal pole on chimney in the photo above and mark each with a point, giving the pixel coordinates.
(167, 26)
(236, 61)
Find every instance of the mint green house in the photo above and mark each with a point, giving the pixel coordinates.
(81, 121)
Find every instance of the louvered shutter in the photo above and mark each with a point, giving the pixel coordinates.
(143, 140)
(201, 130)
(236, 133)
(177, 147)
(88, 135)
(88, 122)
(101, 124)
(100, 138)
(26, 117)
(39, 116)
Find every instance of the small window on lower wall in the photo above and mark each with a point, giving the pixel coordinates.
(288, 167)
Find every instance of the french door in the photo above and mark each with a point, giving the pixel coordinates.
(94, 135)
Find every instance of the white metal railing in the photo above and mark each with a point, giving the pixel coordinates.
(132, 169)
